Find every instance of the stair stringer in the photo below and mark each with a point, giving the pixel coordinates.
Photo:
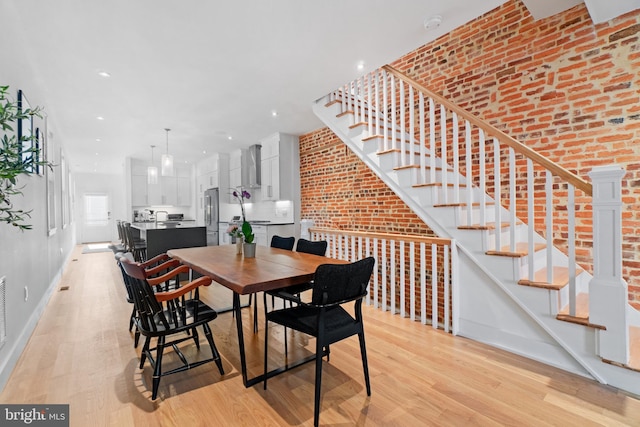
(526, 324)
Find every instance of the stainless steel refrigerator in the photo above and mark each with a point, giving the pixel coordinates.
(211, 214)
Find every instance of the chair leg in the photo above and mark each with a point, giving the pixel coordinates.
(365, 365)
(266, 344)
(157, 371)
(132, 319)
(316, 401)
(145, 349)
(136, 338)
(196, 339)
(214, 349)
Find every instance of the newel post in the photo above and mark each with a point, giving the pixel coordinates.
(608, 297)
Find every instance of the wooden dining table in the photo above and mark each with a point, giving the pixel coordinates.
(270, 269)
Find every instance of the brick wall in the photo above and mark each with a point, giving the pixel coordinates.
(563, 86)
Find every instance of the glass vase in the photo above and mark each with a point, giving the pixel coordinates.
(238, 245)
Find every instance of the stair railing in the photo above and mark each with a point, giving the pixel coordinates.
(454, 153)
(415, 276)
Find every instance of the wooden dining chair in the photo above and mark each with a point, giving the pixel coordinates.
(170, 313)
(325, 318)
(154, 267)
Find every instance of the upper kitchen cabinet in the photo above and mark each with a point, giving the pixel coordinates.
(280, 167)
(169, 191)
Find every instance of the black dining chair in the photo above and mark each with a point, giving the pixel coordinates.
(307, 246)
(164, 314)
(324, 317)
(279, 242)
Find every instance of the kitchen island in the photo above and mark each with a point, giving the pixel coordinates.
(162, 236)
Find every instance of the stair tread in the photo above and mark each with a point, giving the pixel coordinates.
(521, 250)
(437, 184)
(560, 278)
(582, 312)
(487, 226)
(461, 205)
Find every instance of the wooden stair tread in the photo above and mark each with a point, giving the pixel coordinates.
(461, 205)
(521, 250)
(488, 226)
(413, 166)
(437, 184)
(560, 278)
(582, 313)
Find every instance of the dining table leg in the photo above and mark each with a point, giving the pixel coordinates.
(243, 358)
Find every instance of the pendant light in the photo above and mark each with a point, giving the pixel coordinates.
(167, 160)
(152, 171)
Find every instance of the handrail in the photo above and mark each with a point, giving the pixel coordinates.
(389, 236)
(519, 147)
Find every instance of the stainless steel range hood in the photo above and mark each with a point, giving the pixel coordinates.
(253, 164)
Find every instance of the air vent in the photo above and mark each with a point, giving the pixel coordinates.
(3, 311)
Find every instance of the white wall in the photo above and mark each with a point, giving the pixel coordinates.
(32, 259)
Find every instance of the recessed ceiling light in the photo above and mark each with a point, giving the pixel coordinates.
(98, 140)
(100, 118)
(274, 113)
(230, 137)
(104, 74)
(360, 66)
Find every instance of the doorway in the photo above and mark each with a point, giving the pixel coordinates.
(96, 225)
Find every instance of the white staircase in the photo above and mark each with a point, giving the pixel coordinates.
(470, 182)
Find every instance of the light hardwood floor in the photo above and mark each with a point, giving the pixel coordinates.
(82, 354)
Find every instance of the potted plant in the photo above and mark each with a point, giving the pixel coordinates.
(249, 246)
(247, 232)
(13, 161)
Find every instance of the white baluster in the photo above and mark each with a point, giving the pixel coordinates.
(512, 200)
(412, 281)
(402, 280)
(447, 289)
(401, 125)
(571, 230)
(456, 161)
(469, 166)
(392, 271)
(434, 286)
(443, 153)
(383, 269)
(393, 112)
(423, 283)
(530, 219)
(548, 187)
(385, 111)
(375, 275)
(412, 157)
(497, 177)
(483, 180)
(423, 147)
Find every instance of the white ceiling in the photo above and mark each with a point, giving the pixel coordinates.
(209, 70)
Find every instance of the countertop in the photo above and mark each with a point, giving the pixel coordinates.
(259, 222)
(164, 225)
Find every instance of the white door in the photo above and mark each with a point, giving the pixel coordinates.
(96, 225)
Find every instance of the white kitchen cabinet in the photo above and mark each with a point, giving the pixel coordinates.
(280, 167)
(169, 191)
(138, 190)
